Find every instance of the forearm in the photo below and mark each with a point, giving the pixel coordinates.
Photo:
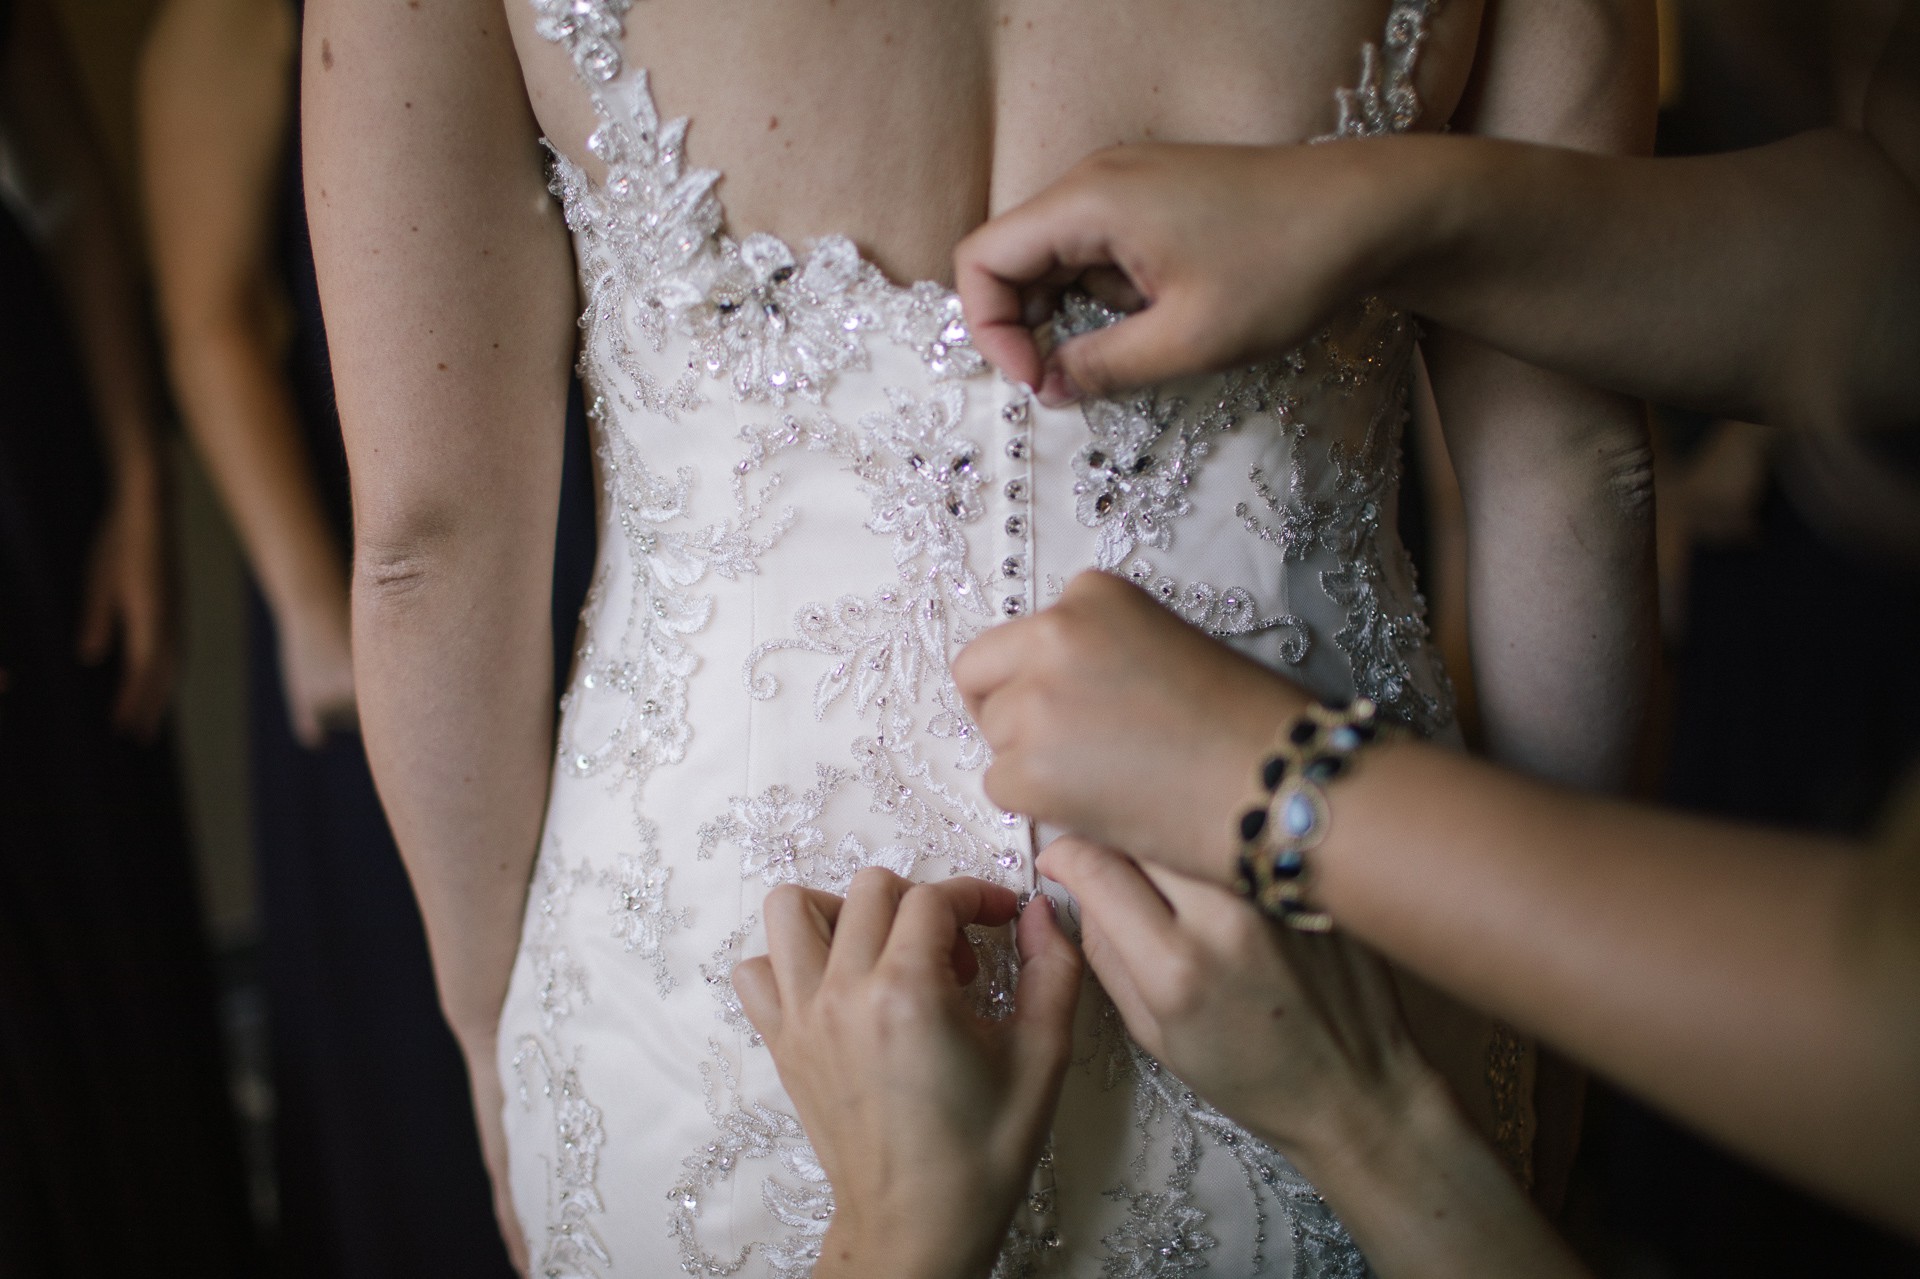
(447, 285)
(1702, 966)
(453, 664)
(1424, 1196)
(1780, 284)
(103, 301)
(241, 415)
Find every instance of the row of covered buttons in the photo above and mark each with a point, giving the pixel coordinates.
(1013, 578)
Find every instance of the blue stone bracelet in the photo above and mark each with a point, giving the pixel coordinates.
(1289, 816)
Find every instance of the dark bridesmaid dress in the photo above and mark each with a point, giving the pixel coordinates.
(118, 1153)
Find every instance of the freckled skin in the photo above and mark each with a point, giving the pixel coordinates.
(905, 146)
(903, 125)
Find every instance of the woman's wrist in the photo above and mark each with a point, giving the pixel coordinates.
(1362, 1140)
(960, 1241)
(1439, 198)
(1422, 1192)
(1215, 787)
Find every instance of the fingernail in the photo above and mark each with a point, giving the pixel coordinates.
(1057, 390)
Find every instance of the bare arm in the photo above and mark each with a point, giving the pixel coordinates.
(1760, 986)
(447, 283)
(1778, 285)
(215, 93)
(1555, 476)
(44, 117)
(1302, 1040)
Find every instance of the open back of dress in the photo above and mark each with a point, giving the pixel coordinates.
(813, 493)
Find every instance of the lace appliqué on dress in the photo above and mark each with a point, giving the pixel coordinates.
(646, 673)
(1385, 100)
(1164, 1233)
(769, 322)
(925, 481)
(1346, 518)
(544, 1070)
(641, 917)
(780, 840)
(589, 29)
(747, 1129)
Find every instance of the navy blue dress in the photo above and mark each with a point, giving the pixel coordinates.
(118, 1151)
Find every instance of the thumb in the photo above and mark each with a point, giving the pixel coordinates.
(1165, 340)
(1048, 990)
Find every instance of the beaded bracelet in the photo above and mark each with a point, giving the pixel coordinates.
(1290, 815)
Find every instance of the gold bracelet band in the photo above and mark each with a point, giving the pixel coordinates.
(1289, 815)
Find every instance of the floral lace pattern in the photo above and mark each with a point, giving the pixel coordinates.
(771, 323)
(1380, 644)
(571, 1246)
(750, 1130)
(947, 482)
(645, 674)
(642, 918)
(1164, 1232)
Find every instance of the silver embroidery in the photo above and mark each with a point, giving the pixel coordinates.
(590, 30)
(560, 982)
(650, 661)
(1224, 613)
(640, 913)
(570, 1247)
(1380, 644)
(1385, 100)
(769, 322)
(751, 1130)
(717, 973)
(1164, 1232)
(925, 481)
(779, 840)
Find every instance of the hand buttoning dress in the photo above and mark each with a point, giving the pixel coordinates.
(813, 493)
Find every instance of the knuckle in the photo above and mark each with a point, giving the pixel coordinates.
(784, 899)
(1180, 985)
(874, 879)
(898, 1004)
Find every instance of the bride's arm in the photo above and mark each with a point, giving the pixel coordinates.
(1555, 475)
(447, 285)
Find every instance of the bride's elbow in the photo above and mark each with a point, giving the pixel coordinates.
(403, 551)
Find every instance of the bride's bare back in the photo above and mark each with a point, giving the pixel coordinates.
(903, 124)
(452, 298)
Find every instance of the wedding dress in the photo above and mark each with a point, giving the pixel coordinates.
(813, 492)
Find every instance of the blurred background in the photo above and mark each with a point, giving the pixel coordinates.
(1794, 569)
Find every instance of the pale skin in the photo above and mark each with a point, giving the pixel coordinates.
(1569, 915)
(215, 80)
(128, 600)
(1759, 985)
(1638, 275)
(928, 1118)
(450, 296)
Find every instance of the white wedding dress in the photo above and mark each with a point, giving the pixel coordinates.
(813, 492)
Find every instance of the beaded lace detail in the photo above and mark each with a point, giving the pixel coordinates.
(773, 330)
(549, 1075)
(771, 323)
